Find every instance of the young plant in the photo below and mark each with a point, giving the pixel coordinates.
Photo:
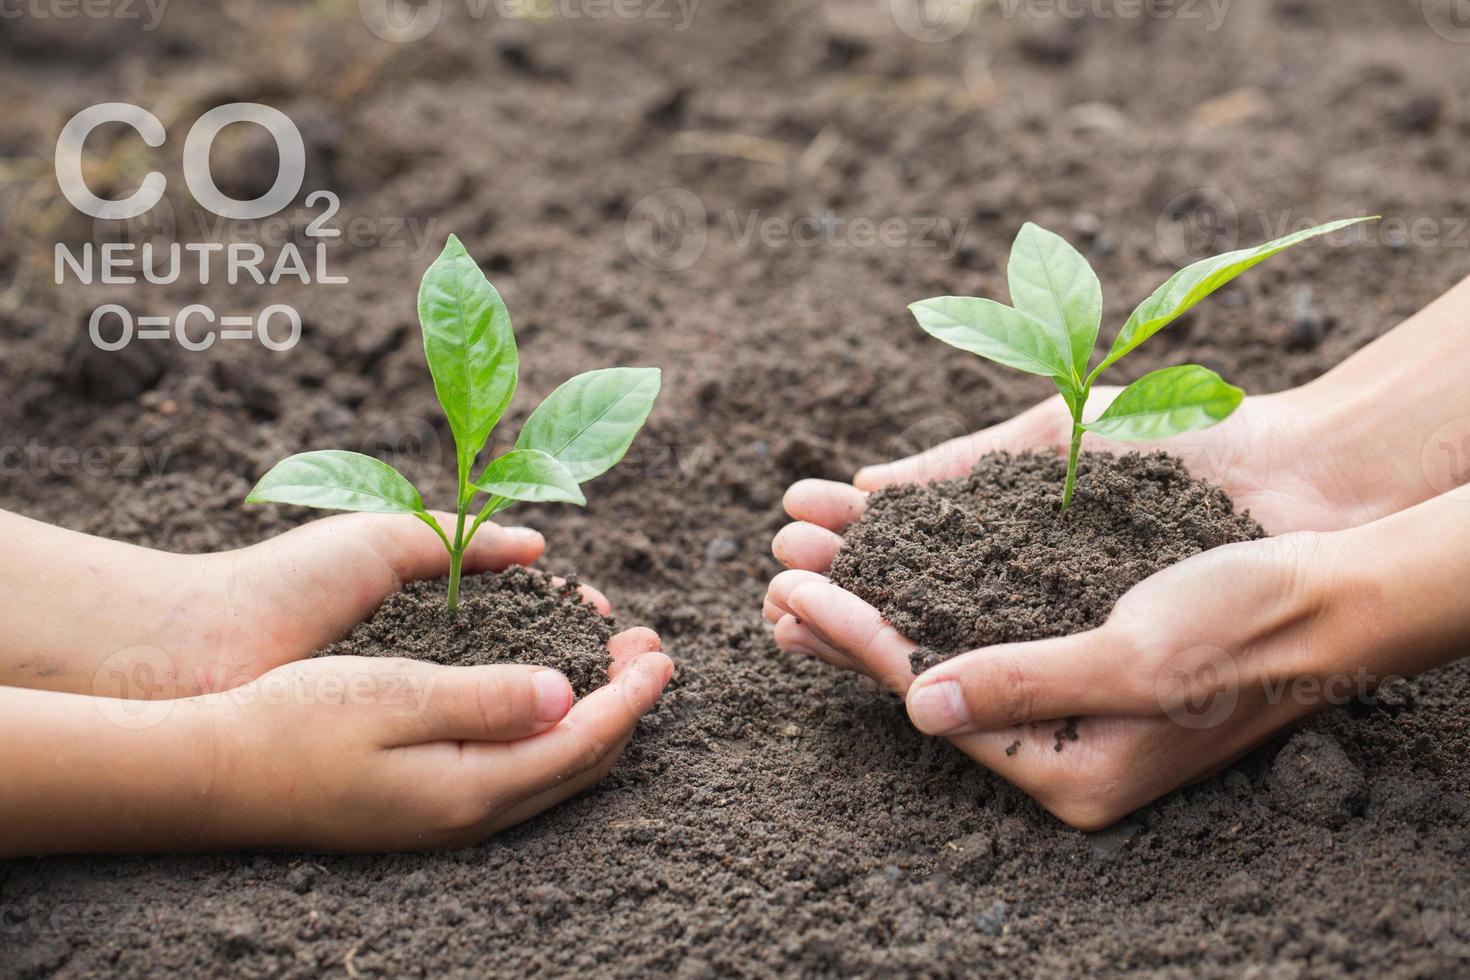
(1053, 326)
(579, 432)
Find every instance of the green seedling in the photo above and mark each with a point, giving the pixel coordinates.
(579, 432)
(1053, 326)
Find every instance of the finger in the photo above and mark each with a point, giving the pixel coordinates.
(592, 730)
(778, 593)
(997, 687)
(1044, 426)
(628, 646)
(850, 626)
(500, 703)
(825, 503)
(589, 594)
(771, 612)
(492, 549)
(793, 636)
(806, 546)
(541, 802)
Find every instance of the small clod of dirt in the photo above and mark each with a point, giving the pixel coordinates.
(990, 558)
(517, 616)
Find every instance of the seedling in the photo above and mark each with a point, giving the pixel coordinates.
(579, 432)
(1053, 326)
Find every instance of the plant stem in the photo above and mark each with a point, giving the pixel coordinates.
(456, 558)
(1072, 463)
(456, 554)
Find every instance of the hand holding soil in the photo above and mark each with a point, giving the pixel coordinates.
(231, 738)
(1205, 659)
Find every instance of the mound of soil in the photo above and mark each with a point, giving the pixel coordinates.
(987, 558)
(517, 616)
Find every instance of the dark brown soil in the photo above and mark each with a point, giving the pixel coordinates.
(988, 559)
(515, 617)
(774, 816)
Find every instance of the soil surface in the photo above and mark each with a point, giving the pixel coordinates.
(517, 616)
(986, 559)
(773, 816)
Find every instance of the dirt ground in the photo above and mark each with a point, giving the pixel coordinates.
(773, 816)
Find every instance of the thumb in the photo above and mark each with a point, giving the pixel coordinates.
(499, 703)
(997, 687)
(413, 551)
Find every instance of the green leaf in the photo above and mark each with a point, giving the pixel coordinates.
(590, 421)
(992, 330)
(470, 347)
(530, 475)
(337, 480)
(1192, 284)
(1166, 403)
(1051, 282)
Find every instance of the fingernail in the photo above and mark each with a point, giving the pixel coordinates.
(553, 695)
(522, 535)
(938, 708)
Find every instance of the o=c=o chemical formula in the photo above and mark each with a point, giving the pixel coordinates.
(195, 327)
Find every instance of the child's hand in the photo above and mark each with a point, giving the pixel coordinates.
(90, 616)
(290, 595)
(337, 753)
(414, 755)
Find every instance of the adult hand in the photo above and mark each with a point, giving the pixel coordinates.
(1195, 666)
